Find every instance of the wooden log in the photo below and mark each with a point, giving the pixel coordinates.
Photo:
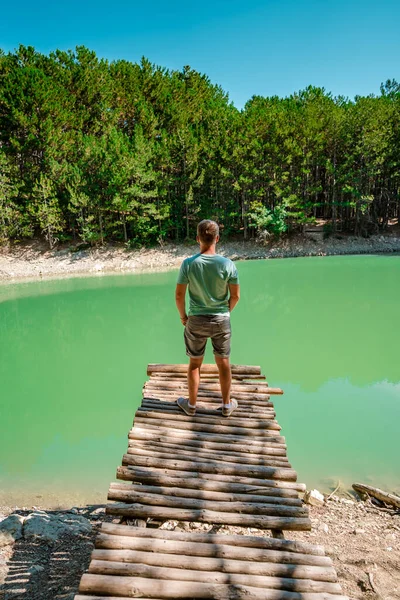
(254, 423)
(145, 511)
(188, 428)
(228, 435)
(208, 401)
(202, 456)
(207, 389)
(173, 489)
(248, 414)
(172, 384)
(233, 558)
(143, 474)
(133, 587)
(205, 368)
(232, 440)
(392, 499)
(208, 376)
(255, 471)
(247, 376)
(235, 452)
(309, 596)
(189, 444)
(213, 397)
(207, 409)
(226, 545)
(210, 410)
(211, 428)
(210, 395)
(206, 395)
(197, 483)
(248, 508)
(200, 494)
(213, 387)
(91, 597)
(207, 398)
(205, 392)
(196, 568)
(155, 572)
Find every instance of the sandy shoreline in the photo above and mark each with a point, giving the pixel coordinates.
(33, 261)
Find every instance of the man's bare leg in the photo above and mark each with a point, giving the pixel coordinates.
(225, 378)
(193, 378)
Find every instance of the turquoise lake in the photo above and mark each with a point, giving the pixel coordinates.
(73, 357)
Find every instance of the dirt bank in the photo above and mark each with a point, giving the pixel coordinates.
(33, 260)
(363, 542)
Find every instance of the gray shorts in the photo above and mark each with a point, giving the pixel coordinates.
(201, 327)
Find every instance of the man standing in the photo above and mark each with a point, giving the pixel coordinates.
(213, 292)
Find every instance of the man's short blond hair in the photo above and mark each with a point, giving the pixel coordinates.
(207, 231)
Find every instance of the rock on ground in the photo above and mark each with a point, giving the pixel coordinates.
(49, 528)
(10, 529)
(45, 555)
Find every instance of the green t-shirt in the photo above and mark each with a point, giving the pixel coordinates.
(208, 276)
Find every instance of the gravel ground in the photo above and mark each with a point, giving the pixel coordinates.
(363, 542)
(32, 260)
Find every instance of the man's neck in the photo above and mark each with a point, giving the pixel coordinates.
(207, 249)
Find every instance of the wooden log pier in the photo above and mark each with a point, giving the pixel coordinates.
(209, 469)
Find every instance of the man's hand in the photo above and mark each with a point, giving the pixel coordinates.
(180, 293)
(234, 295)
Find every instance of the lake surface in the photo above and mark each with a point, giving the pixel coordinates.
(73, 357)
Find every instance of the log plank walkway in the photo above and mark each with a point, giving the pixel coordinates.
(211, 469)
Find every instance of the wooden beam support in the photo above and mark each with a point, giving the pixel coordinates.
(132, 587)
(142, 473)
(205, 368)
(226, 545)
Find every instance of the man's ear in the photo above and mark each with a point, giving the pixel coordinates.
(217, 239)
(197, 239)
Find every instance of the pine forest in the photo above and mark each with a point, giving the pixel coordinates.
(94, 151)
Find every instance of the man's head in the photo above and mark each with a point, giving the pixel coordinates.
(207, 232)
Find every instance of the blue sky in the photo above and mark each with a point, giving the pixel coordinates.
(270, 47)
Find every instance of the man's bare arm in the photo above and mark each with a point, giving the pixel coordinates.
(234, 295)
(180, 294)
